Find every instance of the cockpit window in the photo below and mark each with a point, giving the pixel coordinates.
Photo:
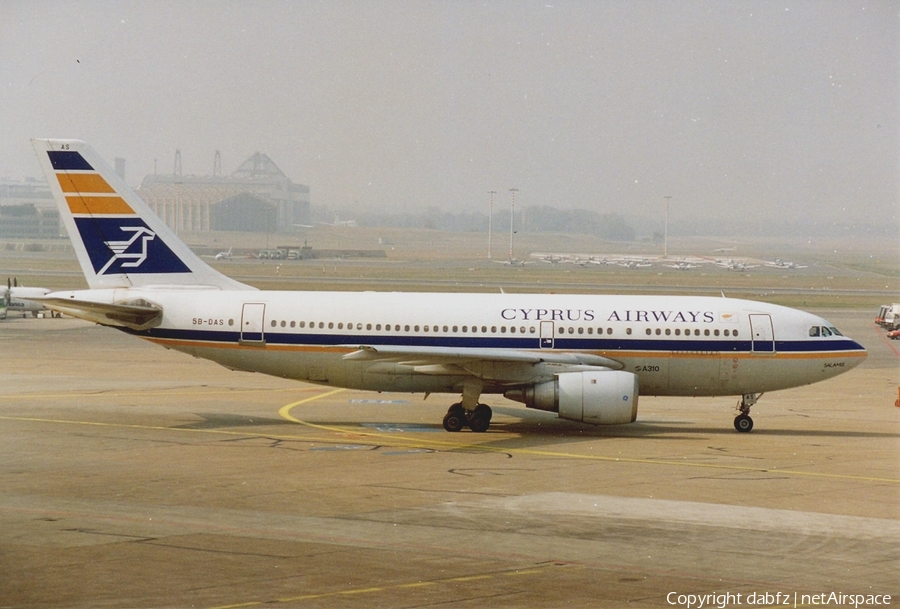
(823, 331)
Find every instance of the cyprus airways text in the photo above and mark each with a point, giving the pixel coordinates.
(706, 317)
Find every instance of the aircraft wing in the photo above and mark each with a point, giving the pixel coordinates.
(503, 366)
(138, 315)
(446, 354)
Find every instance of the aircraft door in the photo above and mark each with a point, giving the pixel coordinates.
(546, 335)
(762, 334)
(252, 323)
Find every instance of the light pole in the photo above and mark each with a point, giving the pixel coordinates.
(491, 222)
(666, 233)
(512, 214)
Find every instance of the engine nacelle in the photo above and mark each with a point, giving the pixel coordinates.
(608, 397)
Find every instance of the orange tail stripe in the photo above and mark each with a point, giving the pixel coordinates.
(98, 205)
(83, 182)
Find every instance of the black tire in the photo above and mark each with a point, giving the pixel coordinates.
(479, 423)
(453, 421)
(485, 411)
(743, 423)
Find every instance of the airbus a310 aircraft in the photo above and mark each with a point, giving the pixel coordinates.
(584, 357)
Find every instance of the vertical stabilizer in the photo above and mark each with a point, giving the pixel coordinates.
(119, 241)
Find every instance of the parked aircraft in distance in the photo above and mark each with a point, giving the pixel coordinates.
(683, 266)
(552, 258)
(221, 255)
(733, 265)
(635, 263)
(22, 299)
(585, 357)
(513, 262)
(785, 264)
(339, 222)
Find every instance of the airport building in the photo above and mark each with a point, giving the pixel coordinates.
(27, 210)
(257, 197)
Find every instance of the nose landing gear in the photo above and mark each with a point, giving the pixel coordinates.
(743, 422)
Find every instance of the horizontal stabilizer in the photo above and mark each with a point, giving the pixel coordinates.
(138, 315)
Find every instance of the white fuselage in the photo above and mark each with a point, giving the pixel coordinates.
(676, 345)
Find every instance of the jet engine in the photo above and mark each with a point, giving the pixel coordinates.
(603, 397)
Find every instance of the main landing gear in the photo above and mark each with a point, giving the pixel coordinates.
(469, 411)
(478, 420)
(743, 422)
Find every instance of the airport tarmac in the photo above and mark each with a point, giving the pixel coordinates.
(133, 476)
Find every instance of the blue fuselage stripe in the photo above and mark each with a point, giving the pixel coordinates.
(507, 342)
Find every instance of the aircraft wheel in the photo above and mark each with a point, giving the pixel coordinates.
(743, 423)
(455, 418)
(480, 419)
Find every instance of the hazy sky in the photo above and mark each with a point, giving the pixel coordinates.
(775, 109)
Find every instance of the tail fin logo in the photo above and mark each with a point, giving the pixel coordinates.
(120, 248)
(126, 245)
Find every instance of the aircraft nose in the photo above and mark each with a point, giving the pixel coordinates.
(859, 351)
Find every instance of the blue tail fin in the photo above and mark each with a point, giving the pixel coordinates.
(119, 241)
